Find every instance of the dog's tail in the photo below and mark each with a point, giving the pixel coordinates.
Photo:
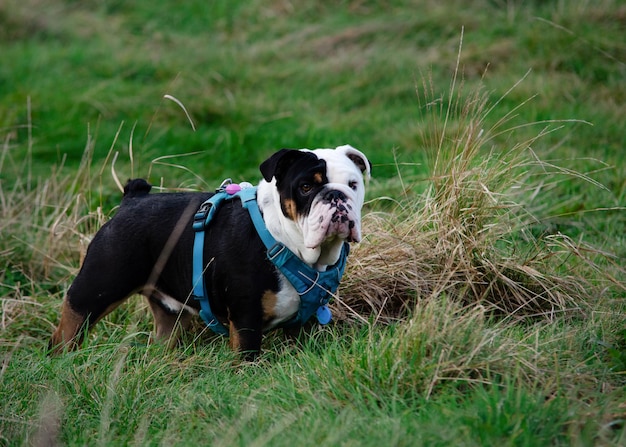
(136, 187)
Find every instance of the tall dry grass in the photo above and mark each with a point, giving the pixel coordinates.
(471, 236)
(46, 225)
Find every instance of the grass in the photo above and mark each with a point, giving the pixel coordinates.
(485, 305)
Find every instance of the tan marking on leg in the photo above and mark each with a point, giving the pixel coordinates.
(268, 303)
(234, 337)
(69, 332)
(66, 332)
(167, 327)
(163, 322)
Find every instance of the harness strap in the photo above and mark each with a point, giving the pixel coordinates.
(200, 220)
(314, 288)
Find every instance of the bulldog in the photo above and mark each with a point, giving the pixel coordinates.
(310, 201)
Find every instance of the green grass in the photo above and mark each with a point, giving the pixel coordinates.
(485, 305)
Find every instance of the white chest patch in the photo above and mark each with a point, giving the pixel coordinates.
(287, 303)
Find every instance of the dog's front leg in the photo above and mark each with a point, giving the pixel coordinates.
(245, 334)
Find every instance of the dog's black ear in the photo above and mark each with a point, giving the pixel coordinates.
(278, 163)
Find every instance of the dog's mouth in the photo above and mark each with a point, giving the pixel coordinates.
(333, 217)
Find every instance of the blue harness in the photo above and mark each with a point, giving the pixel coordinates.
(314, 288)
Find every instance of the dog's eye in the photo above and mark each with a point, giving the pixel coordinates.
(306, 188)
(353, 185)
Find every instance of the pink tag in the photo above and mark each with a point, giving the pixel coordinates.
(232, 188)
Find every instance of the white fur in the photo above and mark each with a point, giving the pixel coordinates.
(314, 239)
(287, 303)
(171, 304)
(310, 238)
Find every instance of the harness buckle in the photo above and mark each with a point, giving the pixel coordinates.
(199, 219)
(224, 184)
(275, 250)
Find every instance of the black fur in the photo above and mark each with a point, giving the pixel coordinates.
(147, 248)
(131, 250)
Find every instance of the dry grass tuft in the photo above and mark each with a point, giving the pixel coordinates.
(406, 261)
(469, 236)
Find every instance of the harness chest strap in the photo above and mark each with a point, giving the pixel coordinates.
(314, 288)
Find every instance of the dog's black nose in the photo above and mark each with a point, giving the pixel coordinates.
(334, 195)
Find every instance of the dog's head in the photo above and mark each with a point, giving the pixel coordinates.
(320, 193)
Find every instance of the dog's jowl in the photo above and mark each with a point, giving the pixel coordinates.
(308, 205)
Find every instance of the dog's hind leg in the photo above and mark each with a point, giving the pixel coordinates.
(170, 317)
(95, 292)
(74, 324)
(66, 334)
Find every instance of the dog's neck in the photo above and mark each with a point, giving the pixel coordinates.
(330, 252)
(289, 232)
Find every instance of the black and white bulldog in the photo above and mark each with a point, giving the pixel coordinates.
(310, 202)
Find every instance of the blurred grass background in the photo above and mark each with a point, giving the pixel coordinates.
(261, 75)
(80, 81)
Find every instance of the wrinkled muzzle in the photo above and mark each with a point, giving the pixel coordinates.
(333, 214)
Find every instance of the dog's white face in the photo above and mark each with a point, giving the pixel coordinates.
(312, 200)
(336, 209)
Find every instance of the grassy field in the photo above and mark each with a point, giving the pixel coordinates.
(486, 304)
